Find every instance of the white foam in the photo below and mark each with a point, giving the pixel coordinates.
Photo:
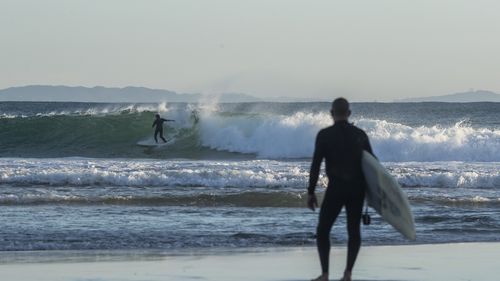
(11, 116)
(397, 142)
(293, 137)
(226, 174)
(447, 174)
(150, 173)
(267, 136)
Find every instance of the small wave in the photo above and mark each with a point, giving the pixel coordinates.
(447, 174)
(270, 174)
(11, 116)
(73, 172)
(244, 199)
(84, 109)
(473, 201)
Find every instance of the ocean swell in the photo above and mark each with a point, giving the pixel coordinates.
(210, 132)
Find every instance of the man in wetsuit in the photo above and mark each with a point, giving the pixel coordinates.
(159, 127)
(341, 146)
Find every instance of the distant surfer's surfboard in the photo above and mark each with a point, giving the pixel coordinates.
(152, 143)
(386, 196)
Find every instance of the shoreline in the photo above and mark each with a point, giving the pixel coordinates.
(424, 262)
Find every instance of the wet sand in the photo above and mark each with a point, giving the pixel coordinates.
(464, 261)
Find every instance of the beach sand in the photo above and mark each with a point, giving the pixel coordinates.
(462, 261)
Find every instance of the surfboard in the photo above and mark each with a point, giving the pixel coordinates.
(384, 194)
(152, 143)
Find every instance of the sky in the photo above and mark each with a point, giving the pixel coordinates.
(373, 50)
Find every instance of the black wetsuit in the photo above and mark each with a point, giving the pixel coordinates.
(341, 146)
(159, 128)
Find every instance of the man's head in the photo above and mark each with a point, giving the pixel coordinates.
(157, 116)
(340, 109)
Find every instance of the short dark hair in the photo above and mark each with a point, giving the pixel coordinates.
(340, 107)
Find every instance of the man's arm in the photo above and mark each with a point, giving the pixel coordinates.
(315, 165)
(318, 155)
(167, 120)
(154, 123)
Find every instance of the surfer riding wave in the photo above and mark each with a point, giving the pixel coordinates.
(158, 123)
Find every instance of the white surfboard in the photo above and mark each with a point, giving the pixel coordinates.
(152, 143)
(386, 196)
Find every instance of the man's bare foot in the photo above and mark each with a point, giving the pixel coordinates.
(322, 277)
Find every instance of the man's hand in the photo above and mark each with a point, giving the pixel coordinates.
(312, 202)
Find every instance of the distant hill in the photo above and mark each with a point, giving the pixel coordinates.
(471, 96)
(103, 94)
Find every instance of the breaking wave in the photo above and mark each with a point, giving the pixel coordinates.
(209, 132)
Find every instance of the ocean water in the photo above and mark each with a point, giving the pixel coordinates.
(73, 177)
